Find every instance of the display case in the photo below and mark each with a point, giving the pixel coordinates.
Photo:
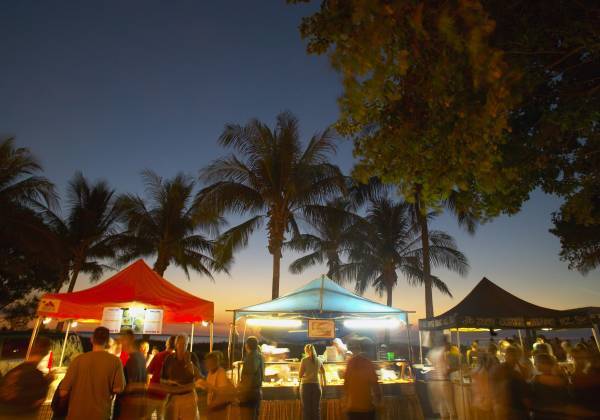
(284, 374)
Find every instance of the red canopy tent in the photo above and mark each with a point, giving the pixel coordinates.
(136, 285)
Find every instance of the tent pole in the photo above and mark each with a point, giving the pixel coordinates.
(521, 340)
(64, 346)
(211, 330)
(460, 372)
(232, 342)
(595, 334)
(409, 343)
(192, 339)
(420, 347)
(34, 332)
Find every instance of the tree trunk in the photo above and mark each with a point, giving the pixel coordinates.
(161, 264)
(390, 289)
(276, 273)
(74, 276)
(422, 219)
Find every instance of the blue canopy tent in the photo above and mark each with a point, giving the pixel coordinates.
(321, 298)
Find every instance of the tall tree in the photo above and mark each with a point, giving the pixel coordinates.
(168, 224)
(272, 177)
(329, 237)
(387, 242)
(87, 235)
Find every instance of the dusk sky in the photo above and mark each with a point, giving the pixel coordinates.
(111, 88)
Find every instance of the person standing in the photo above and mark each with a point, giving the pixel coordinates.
(511, 393)
(155, 403)
(91, 381)
(220, 391)
(24, 388)
(438, 380)
(181, 369)
(251, 379)
(312, 375)
(362, 393)
(131, 403)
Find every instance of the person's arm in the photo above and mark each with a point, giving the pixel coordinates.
(301, 370)
(196, 365)
(164, 372)
(322, 374)
(119, 378)
(67, 382)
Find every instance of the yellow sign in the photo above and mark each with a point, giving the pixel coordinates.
(321, 328)
(49, 305)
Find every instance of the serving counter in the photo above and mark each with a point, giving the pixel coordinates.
(281, 390)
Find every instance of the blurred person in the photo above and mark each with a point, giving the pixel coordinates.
(558, 350)
(585, 383)
(511, 396)
(145, 349)
(131, 403)
(91, 381)
(473, 353)
(220, 390)
(362, 393)
(251, 379)
(482, 396)
(181, 369)
(312, 378)
(567, 349)
(156, 396)
(549, 391)
(24, 388)
(439, 383)
(151, 355)
(492, 351)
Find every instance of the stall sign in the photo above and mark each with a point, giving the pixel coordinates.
(49, 305)
(153, 319)
(112, 319)
(321, 328)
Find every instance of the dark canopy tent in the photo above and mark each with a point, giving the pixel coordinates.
(490, 306)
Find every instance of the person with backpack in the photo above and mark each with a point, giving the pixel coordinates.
(312, 377)
(180, 371)
(24, 388)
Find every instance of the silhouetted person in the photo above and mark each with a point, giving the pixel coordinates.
(312, 375)
(251, 379)
(473, 353)
(439, 383)
(131, 403)
(482, 396)
(585, 383)
(155, 403)
(549, 390)
(219, 389)
(510, 388)
(91, 381)
(362, 393)
(24, 388)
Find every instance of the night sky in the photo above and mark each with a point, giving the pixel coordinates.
(112, 87)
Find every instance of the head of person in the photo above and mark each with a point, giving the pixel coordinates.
(40, 349)
(144, 347)
(310, 351)
(474, 345)
(566, 346)
(251, 344)
(512, 355)
(101, 337)
(181, 343)
(127, 339)
(544, 363)
(355, 346)
(111, 346)
(213, 360)
(170, 343)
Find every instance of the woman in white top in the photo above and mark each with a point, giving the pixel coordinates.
(219, 389)
(312, 375)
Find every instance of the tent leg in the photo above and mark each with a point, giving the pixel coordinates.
(192, 338)
(595, 333)
(232, 343)
(64, 346)
(410, 358)
(211, 338)
(521, 340)
(36, 327)
(420, 347)
(460, 373)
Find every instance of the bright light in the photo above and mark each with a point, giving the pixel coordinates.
(365, 323)
(273, 322)
(204, 324)
(546, 329)
(47, 320)
(73, 324)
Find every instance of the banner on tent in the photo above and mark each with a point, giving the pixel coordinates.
(139, 320)
(321, 328)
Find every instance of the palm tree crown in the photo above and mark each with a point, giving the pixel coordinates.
(271, 177)
(166, 225)
(386, 242)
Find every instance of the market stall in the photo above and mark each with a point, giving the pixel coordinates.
(325, 314)
(488, 307)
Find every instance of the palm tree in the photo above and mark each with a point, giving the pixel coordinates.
(166, 225)
(272, 178)
(20, 186)
(386, 242)
(331, 236)
(88, 234)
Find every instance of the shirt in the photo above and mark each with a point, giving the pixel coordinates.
(184, 371)
(359, 381)
(22, 390)
(90, 381)
(252, 371)
(135, 368)
(154, 369)
(219, 383)
(311, 368)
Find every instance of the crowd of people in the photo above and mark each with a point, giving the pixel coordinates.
(552, 379)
